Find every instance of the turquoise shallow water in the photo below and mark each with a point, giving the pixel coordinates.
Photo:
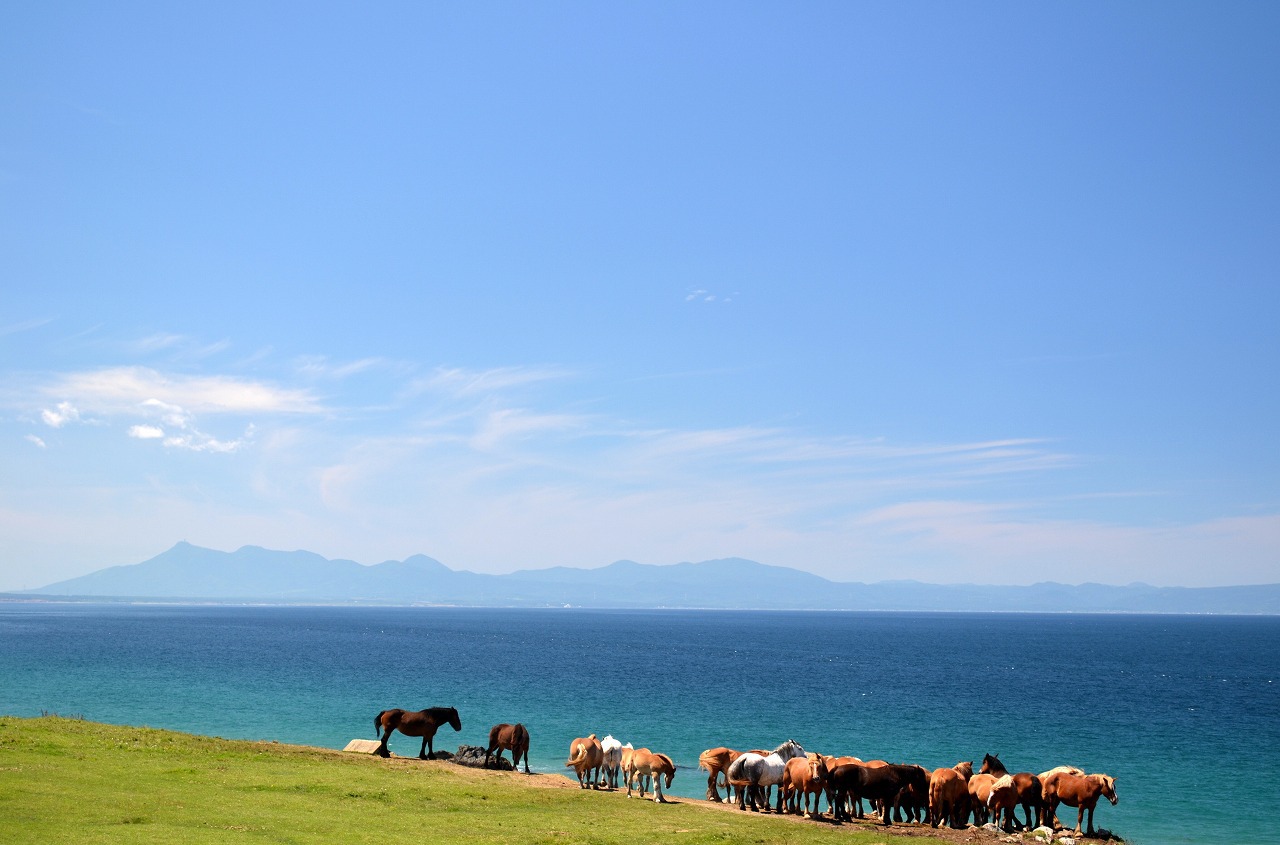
(1170, 705)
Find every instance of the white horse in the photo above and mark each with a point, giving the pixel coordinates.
(759, 773)
(612, 762)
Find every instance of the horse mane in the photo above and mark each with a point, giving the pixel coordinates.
(1002, 782)
(787, 745)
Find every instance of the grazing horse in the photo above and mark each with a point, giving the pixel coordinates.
(421, 723)
(804, 777)
(877, 783)
(756, 774)
(717, 761)
(1028, 791)
(949, 795)
(1080, 792)
(647, 764)
(513, 737)
(612, 763)
(585, 758)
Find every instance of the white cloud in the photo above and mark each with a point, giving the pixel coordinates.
(146, 432)
(120, 389)
(36, 440)
(64, 413)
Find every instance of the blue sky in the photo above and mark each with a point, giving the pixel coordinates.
(979, 292)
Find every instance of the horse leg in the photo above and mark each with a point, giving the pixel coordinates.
(1089, 831)
(712, 793)
(422, 752)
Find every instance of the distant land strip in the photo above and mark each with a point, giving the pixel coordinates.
(188, 573)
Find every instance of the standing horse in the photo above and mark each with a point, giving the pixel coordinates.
(421, 723)
(513, 737)
(1028, 792)
(612, 765)
(585, 758)
(757, 774)
(949, 795)
(716, 761)
(648, 764)
(804, 777)
(1081, 792)
(881, 784)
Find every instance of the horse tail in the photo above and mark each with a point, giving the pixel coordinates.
(377, 722)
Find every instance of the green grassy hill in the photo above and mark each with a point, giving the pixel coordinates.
(71, 781)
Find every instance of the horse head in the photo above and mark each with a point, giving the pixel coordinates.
(669, 768)
(1109, 788)
(455, 721)
(789, 749)
(991, 764)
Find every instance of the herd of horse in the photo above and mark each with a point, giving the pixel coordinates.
(901, 792)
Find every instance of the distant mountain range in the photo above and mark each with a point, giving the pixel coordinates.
(252, 574)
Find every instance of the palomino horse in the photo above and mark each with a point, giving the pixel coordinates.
(756, 774)
(1081, 792)
(585, 758)
(717, 761)
(647, 764)
(512, 737)
(1027, 792)
(421, 723)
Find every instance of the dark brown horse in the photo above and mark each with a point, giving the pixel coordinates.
(513, 737)
(421, 723)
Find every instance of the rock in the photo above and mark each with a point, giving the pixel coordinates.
(473, 755)
(362, 746)
(1067, 840)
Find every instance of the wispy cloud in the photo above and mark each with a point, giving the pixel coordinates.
(319, 367)
(706, 296)
(31, 438)
(123, 389)
(25, 326)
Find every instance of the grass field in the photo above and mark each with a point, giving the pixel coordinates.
(71, 781)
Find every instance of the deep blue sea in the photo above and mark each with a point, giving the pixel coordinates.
(1183, 710)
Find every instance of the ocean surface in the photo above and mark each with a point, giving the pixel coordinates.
(1183, 710)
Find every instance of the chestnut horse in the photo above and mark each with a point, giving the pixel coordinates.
(648, 764)
(585, 758)
(1028, 792)
(804, 777)
(717, 762)
(421, 723)
(1080, 792)
(512, 737)
(949, 795)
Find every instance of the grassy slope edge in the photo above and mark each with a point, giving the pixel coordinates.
(66, 780)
